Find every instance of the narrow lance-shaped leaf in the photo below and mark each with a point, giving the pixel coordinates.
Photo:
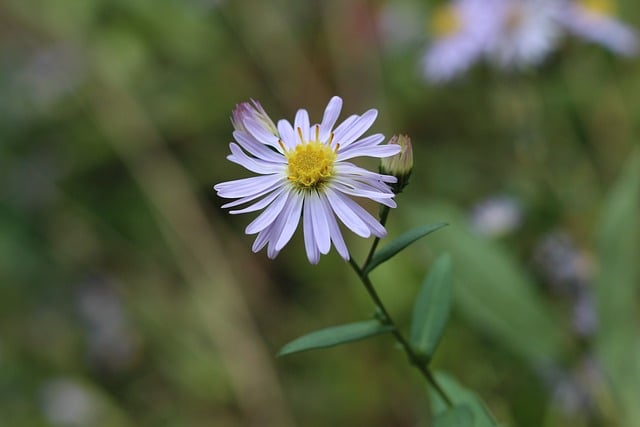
(335, 335)
(400, 243)
(616, 285)
(432, 306)
(494, 291)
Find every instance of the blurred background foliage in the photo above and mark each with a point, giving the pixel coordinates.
(128, 298)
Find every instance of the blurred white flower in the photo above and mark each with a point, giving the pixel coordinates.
(496, 216)
(461, 31)
(65, 402)
(595, 20)
(529, 31)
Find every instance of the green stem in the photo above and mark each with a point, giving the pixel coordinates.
(415, 361)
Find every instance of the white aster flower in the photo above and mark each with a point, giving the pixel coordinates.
(595, 20)
(529, 31)
(462, 31)
(303, 172)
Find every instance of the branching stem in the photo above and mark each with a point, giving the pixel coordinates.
(386, 318)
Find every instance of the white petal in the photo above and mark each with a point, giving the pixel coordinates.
(319, 223)
(382, 198)
(269, 215)
(272, 252)
(334, 229)
(254, 165)
(368, 185)
(330, 116)
(379, 151)
(309, 240)
(257, 148)
(291, 219)
(349, 169)
(348, 134)
(344, 126)
(287, 134)
(248, 199)
(274, 233)
(374, 139)
(376, 228)
(259, 132)
(261, 204)
(261, 240)
(247, 186)
(371, 140)
(346, 214)
(302, 122)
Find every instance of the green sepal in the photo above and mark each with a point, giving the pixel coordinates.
(335, 335)
(400, 243)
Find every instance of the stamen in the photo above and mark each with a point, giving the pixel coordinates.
(300, 134)
(335, 150)
(317, 133)
(330, 139)
(281, 144)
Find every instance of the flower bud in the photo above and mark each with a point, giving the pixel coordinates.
(399, 165)
(253, 110)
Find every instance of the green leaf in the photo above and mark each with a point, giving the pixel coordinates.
(432, 307)
(458, 416)
(494, 292)
(335, 335)
(616, 286)
(461, 397)
(400, 243)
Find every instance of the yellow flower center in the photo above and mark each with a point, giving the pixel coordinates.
(310, 164)
(445, 21)
(600, 7)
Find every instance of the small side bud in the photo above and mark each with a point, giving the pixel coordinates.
(252, 110)
(399, 165)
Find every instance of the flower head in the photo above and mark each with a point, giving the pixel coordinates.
(304, 172)
(401, 164)
(595, 20)
(462, 30)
